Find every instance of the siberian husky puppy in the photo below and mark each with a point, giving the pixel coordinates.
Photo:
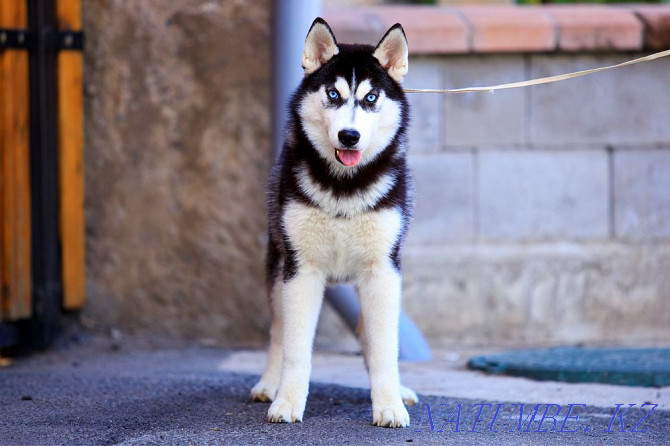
(339, 206)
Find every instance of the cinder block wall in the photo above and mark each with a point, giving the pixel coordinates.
(542, 214)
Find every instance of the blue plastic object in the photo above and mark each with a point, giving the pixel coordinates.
(413, 346)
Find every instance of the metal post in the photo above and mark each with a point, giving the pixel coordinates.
(40, 330)
(291, 21)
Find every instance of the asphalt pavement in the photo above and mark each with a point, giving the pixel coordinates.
(101, 394)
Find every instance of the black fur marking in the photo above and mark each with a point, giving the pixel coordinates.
(395, 255)
(272, 263)
(290, 263)
(397, 197)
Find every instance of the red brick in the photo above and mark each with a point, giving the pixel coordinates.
(586, 27)
(656, 19)
(509, 28)
(352, 25)
(429, 29)
(501, 28)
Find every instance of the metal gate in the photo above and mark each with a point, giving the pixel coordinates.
(41, 168)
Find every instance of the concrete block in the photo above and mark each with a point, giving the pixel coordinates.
(483, 118)
(554, 293)
(425, 132)
(630, 105)
(444, 207)
(642, 194)
(543, 195)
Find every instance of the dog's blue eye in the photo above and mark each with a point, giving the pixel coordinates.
(371, 97)
(333, 94)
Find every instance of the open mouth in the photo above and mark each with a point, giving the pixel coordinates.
(348, 158)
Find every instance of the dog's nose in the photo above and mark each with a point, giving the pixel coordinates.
(348, 137)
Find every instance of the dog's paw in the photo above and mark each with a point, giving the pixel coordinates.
(263, 392)
(390, 416)
(282, 411)
(408, 395)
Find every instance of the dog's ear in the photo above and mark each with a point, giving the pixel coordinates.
(320, 46)
(392, 52)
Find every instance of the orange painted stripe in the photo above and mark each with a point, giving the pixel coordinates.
(15, 242)
(71, 160)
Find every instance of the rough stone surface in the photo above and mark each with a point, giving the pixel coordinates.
(641, 194)
(177, 152)
(539, 293)
(526, 196)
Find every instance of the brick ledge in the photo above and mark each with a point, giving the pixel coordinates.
(489, 29)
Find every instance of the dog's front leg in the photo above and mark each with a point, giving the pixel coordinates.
(300, 304)
(380, 289)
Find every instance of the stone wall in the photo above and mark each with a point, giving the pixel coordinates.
(177, 151)
(542, 214)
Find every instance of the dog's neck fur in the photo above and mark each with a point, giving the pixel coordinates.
(361, 182)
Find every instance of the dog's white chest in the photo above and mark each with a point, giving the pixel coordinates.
(341, 247)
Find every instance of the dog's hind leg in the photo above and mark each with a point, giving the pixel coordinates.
(300, 305)
(409, 396)
(266, 389)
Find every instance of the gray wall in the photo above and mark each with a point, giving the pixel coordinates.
(542, 214)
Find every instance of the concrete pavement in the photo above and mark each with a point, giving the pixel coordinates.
(94, 394)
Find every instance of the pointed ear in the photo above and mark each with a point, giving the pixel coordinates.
(320, 46)
(392, 52)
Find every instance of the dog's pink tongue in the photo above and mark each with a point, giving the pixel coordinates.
(349, 157)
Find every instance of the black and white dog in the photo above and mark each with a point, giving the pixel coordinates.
(339, 207)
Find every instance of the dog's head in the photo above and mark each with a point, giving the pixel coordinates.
(351, 103)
